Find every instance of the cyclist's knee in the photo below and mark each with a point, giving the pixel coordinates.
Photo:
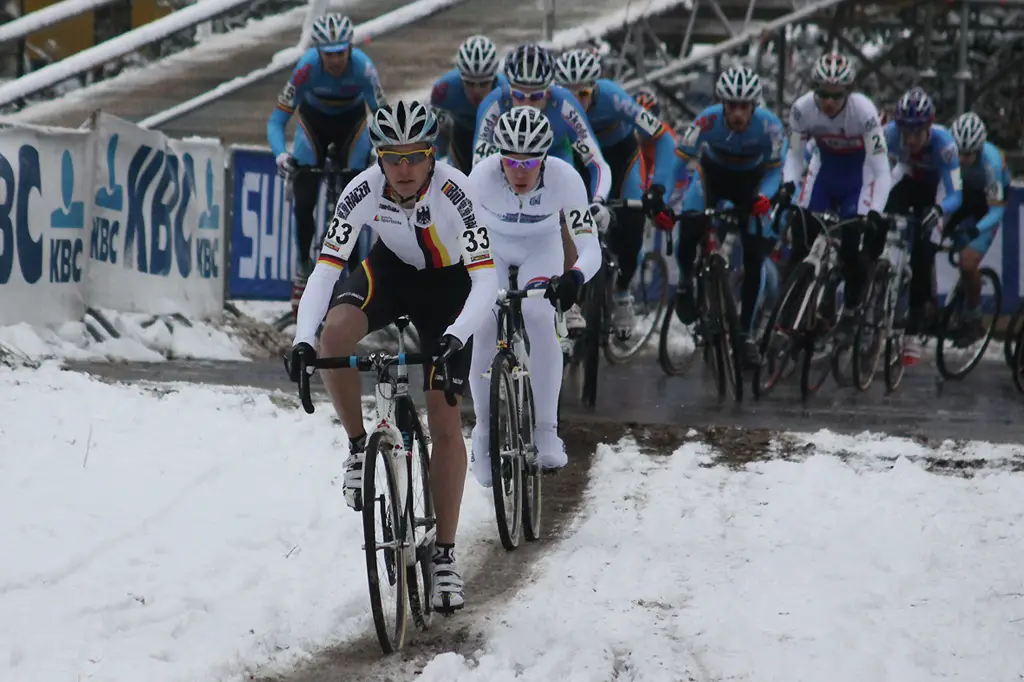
(445, 423)
(346, 325)
(970, 259)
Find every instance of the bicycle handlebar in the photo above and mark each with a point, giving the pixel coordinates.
(376, 360)
(505, 295)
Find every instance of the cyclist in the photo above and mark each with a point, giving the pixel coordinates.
(927, 184)
(739, 148)
(986, 182)
(618, 121)
(331, 87)
(460, 92)
(432, 262)
(526, 197)
(530, 71)
(849, 175)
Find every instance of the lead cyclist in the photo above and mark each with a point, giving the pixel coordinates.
(527, 197)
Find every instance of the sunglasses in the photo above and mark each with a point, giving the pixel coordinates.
(584, 92)
(829, 94)
(527, 164)
(412, 158)
(534, 96)
(477, 84)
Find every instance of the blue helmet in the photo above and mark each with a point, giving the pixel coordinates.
(915, 108)
(530, 65)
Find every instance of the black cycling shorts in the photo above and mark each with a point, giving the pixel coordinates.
(322, 129)
(385, 287)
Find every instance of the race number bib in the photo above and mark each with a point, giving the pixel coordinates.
(585, 152)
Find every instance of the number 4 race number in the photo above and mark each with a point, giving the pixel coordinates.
(476, 239)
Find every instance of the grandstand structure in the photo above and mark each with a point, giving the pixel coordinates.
(968, 54)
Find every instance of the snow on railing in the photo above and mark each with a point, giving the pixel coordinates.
(287, 58)
(48, 16)
(118, 47)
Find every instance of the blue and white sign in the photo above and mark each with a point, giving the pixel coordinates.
(264, 246)
(44, 185)
(158, 228)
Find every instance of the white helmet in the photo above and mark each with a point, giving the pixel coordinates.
(523, 130)
(530, 65)
(332, 31)
(577, 67)
(477, 58)
(969, 133)
(833, 68)
(402, 123)
(738, 84)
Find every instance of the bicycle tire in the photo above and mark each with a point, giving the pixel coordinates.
(714, 325)
(391, 636)
(505, 469)
(894, 367)
(874, 309)
(420, 587)
(1018, 361)
(593, 313)
(793, 293)
(612, 351)
(731, 348)
(531, 485)
(665, 361)
(944, 326)
(1013, 330)
(808, 387)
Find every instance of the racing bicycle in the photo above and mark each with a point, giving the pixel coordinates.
(515, 474)
(399, 527)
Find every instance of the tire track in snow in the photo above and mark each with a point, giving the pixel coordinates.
(496, 578)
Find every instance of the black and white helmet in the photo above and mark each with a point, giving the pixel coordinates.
(332, 30)
(477, 58)
(834, 69)
(969, 133)
(577, 67)
(738, 84)
(530, 66)
(523, 130)
(402, 123)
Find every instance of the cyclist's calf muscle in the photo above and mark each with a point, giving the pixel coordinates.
(448, 472)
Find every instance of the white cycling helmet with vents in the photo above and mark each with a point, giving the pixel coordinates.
(833, 69)
(530, 66)
(523, 130)
(738, 84)
(402, 123)
(477, 58)
(969, 133)
(577, 67)
(332, 32)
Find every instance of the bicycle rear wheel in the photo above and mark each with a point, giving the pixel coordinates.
(506, 461)
(650, 296)
(593, 313)
(383, 533)
(531, 468)
(955, 359)
(423, 523)
(868, 339)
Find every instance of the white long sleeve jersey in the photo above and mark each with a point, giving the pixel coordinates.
(559, 193)
(442, 229)
(855, 135)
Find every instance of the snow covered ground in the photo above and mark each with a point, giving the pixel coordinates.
(181, 533)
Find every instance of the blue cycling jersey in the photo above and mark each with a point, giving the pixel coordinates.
(614, 115)
(762, 145)
(986, 182)
(449, 95)
(332, 95)
(572, 132)
(938, 162)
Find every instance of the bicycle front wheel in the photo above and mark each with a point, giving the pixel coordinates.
(1018, 361)
(1015, 326)
(531, 468)
(729, 340)
(421, 519)
(869, 337)
(506, 462)
(650, 296)
(593, 312)
(383, 534)
(955, 354)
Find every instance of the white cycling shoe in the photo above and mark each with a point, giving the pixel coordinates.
(550, 448)
(448, 592)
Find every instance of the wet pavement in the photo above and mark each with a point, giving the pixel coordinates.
(983, 406)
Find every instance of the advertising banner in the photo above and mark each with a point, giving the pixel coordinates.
(45, 181)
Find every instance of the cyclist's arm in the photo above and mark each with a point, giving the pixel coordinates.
(338, 243)
(600, 173)
(995, 171)
(580, 223)
(486, 118)
(476, 254)
(778, 148)
(650, 128)
(373, 91)
(949, 160)
(874, 193)
(795, 164)
(293, 92)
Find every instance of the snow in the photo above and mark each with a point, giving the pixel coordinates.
(139, 341)
(181, 532)
(174, 533)
(788, 571)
